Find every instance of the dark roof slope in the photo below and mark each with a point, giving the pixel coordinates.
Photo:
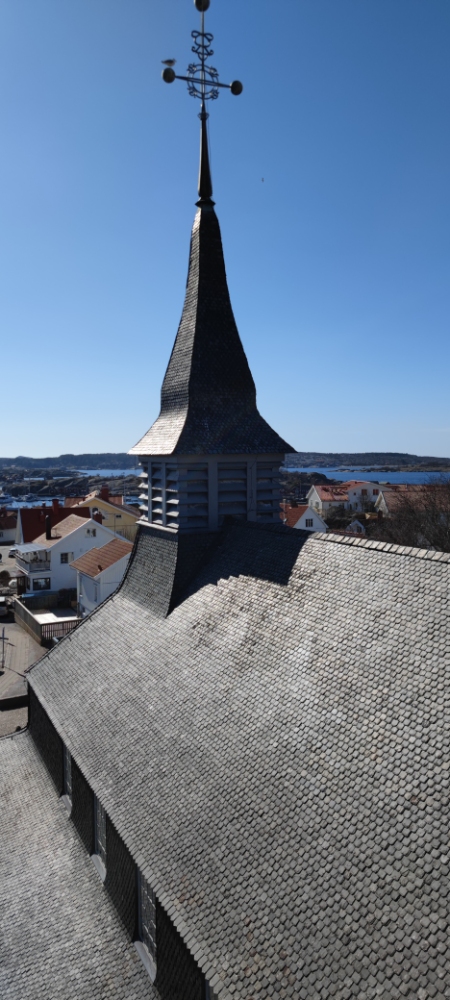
(282, 738)
(60, 933)
(208, 397)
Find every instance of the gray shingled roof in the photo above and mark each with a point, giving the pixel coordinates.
(60, 935)
(275, 754)
(208, 397)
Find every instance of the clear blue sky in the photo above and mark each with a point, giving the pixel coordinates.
(338, 261)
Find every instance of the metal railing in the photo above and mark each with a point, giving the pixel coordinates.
(37, 566)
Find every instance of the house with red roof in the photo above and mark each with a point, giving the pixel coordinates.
(99, 573)
(31, 521)
(355, 494)
(300, 515)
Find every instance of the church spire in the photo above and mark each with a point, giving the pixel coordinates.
(208, 411)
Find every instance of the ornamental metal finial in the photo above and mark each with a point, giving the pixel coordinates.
(203, 82)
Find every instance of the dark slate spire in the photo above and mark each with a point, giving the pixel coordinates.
(208, 397)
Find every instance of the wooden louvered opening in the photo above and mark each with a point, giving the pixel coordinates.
(156, 494)
(179, 495)
(193, 495)
(232, 489)
(267, 491)
(143, 489)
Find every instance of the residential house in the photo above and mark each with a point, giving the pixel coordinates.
(31, 521)
(352, 495)
(8, 524)
(323, 499)
(44, 564)
(390, 496)
(296, 515)
(361, 493)
(99, 573)
(118, 516)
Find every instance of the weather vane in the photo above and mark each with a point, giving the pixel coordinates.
(202, 80)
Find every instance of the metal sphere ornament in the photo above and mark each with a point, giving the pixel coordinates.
(236, 87)
(202, 5)
(168, 75)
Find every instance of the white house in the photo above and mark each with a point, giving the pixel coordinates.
(361, 493)
(325, 498)
(99, 573)
(302, 516)
(45, 562)
(8, 521)
(353, 495)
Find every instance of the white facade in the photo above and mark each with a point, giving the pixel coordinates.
(310, 520)
(361, 494)
(46, 566)
(92, 591)
(321, 505)
(355, 496)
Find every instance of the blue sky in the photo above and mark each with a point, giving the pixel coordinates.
(331, 184)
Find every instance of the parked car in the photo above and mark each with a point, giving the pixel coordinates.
(3, 607)
(12, 552)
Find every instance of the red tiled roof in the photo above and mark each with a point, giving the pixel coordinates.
(351, 483)
(96, 560)
(290, 515)
(33, 519)
(331, 493)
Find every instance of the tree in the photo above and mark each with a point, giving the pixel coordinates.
(418, 516)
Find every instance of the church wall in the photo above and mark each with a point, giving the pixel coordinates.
(120, 880)
(48, 742)
(178, 976)
(82, 808)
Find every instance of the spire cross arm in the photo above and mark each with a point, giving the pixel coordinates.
(202, 80)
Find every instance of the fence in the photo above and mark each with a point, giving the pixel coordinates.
(44, 634)
(56, 630)
(54, 599)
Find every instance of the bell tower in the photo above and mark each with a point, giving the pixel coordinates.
(209, 453)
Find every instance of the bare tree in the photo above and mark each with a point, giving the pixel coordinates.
(418, 516)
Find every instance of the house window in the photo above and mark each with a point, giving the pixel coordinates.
(146, 946)
(117, 517)
(309, 522)
(99, 856)
(42, 583)
(66, 557)
(364, 493)
(67, 777)
(92, 531)
(375, 492)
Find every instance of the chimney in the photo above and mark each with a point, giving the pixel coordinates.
(104, 493)
(97, 517)
(48, 527)
(55, 504)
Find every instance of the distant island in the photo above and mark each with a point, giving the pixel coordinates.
(104, 460)
(368, 461)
